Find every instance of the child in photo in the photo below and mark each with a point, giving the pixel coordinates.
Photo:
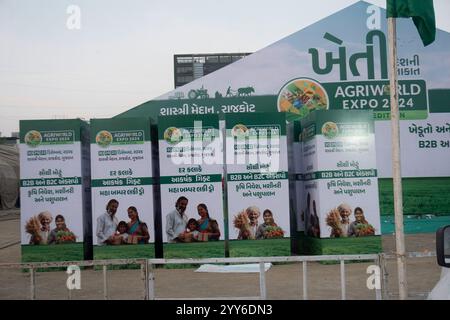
(191, 232)
(121, 235)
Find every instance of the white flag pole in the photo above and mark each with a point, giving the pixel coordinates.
(396, 168)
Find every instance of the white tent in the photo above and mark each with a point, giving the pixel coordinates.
(9, 176)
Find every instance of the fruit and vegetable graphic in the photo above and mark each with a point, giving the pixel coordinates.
(173, 135)
(302, 96)
(33, 138)
(104, 138)
(330, 130)
(239, 131)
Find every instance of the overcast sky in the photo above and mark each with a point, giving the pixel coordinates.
(122, 55)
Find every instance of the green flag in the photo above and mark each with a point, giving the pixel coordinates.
(422, 12)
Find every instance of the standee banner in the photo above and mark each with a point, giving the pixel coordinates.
(257, 176)
(340, 185)
(191, 170)
(54, 190)
(122, 186)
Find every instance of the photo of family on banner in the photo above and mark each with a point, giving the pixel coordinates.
(111, 231)
(181, 228)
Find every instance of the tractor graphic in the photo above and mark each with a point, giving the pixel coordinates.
(201, 93)
(240, 92)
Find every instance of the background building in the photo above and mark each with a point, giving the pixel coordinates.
(188, 67)
(13, 139)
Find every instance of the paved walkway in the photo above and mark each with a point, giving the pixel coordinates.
(283, 281)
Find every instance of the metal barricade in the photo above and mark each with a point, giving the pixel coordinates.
(148, 275)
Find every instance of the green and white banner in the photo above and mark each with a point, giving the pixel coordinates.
(190, 160)
(54, 182)
(257, 176)
(340, 175)
(332, 65)
(121, 161)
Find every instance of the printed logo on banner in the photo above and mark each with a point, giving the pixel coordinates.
(173, 135)
(106, 138)
(330, 130)
(33, 138)
(103, 138)
(240, 131)
(302, 96)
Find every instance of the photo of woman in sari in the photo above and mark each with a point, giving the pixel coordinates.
(137, 230)
(206, 225)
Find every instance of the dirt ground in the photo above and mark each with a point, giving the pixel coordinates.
(283, 281)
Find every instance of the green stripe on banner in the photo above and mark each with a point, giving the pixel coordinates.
(439, 100)
(189, 125)
(51, 131)
(49, 182)
(251, 123)
(252, 176)
(336, 174)
(404, 115)
(199, 178)
(121, 182)
(122, 131)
